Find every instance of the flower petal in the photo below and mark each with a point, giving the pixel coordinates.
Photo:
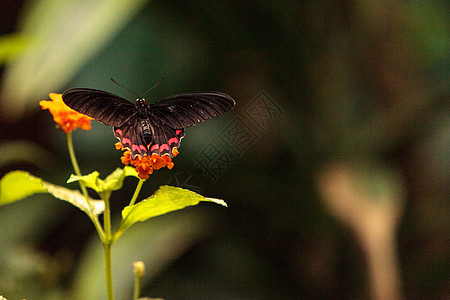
(67, 118)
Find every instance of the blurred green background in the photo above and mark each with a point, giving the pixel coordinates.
(335, 162)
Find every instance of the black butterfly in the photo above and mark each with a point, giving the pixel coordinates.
(147, 129)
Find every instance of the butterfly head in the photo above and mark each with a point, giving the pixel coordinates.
(140, 101)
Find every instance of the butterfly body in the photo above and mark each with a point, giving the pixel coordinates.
(148, 128)
(141, 108)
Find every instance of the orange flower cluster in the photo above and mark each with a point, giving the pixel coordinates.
(64, 116)
(146, 164)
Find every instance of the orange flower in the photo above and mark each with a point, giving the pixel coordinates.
(145, 165)
(64, 116)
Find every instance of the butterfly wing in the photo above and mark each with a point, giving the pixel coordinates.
(163, 129)
(165, 140)
(105, 107)
(170, 116)
(187, 109)
(162, 141)
(131, 136)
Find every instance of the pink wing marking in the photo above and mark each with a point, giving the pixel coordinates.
(119, 131)
(135, 148)
(126, 141)
(154, 147)
(164, 146)
(173, 140)
(143, 148)
(178, 131)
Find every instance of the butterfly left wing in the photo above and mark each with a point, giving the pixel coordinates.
(131, 136)
(187, 109)
(105, 107)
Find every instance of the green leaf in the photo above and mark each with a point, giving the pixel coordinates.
(18, 185)
(94, 182)
(130, 171)
(112, 182)
(165, 199)
(91, 180)
(75, 198)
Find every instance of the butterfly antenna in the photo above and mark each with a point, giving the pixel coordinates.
(124, 87)
(158, 83)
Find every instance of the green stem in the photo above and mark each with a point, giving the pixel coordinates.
(98, 227)
(73, 159)
(118, 232)
(77, 171)
(137, 191)
(137, 286)
(107, 220)
(136, 289)
(105, 235)
(107, 243)
(108, 271)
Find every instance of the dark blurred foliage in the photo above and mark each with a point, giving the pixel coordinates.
(351, 79)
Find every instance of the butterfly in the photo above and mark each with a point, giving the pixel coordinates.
(144, 128)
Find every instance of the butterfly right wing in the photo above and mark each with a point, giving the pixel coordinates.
(165, 140)
(105, 107)
(170, 116)
(187, 109)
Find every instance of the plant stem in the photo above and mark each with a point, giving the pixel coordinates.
(137, 285)
(118, 232)
(105, 235)
(107, 243)
(77, 171)
(73, 159)
(107, 220)
(108, 271)
(98, 227)
(138, 270)
(137, 191)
